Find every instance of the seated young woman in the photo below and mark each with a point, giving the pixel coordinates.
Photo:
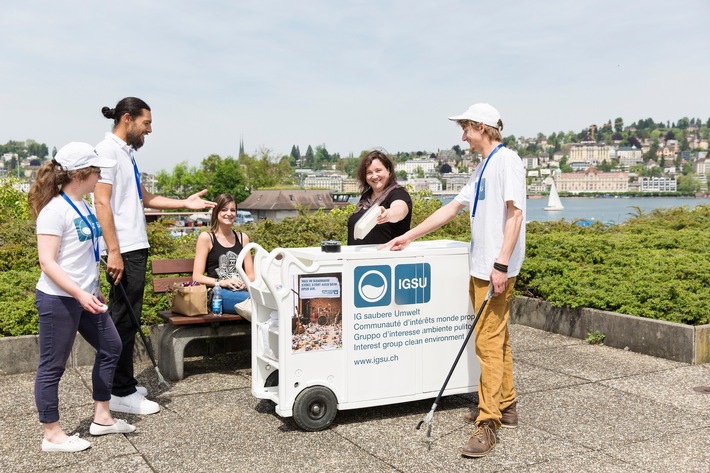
(216, 254)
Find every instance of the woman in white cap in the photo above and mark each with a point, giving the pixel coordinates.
(67, 295)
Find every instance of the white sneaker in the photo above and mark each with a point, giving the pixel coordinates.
(142, 390)
(133, 404)
(73, 444)
(119, 427)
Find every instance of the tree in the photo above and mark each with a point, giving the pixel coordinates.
(350, 165)
(401, 175)
(295, 155)
(688, 184)
(182, 182)
(322, 158)
(619, 124)
(652, 152)
(308, 158)
(228, 178)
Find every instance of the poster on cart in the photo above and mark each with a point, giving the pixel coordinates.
(318, 312)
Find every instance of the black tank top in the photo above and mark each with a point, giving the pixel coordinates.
(222, 261)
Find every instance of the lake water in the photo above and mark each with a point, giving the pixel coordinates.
(614, 210)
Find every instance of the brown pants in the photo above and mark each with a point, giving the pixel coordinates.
(495, 388)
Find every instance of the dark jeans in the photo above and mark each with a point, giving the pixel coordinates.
(60, 318)
(133, 282)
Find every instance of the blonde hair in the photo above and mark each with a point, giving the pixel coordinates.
(492, 133)
(51, 178)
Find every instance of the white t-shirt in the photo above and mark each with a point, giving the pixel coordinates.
(503, 181)
(127, 206)
(76, 250)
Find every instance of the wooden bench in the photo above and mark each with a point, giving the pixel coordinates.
(180, 330)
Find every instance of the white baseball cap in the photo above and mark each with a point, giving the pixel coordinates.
(77, 155)
(481, 113)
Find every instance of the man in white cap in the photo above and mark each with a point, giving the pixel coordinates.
(495, 195)
(119, 198)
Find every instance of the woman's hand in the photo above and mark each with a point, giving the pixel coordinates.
(233, 284)
(91, 303)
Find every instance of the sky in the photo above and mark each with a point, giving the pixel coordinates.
(347, 75)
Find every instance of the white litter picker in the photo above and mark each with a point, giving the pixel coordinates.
(359, 327)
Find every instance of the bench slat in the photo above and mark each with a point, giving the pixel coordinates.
(177, 319)
(162, 284)
(172, 266)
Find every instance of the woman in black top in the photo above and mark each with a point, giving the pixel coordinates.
(376, 176)
(216, 253)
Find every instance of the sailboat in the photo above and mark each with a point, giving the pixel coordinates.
(554, 202)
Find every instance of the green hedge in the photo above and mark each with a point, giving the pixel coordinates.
(656, 265)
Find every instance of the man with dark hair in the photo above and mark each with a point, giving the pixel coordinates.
(119, 199)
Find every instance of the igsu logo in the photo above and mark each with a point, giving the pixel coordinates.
(412, 283)
(372, 286)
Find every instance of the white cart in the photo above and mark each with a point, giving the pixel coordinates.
(358, 328)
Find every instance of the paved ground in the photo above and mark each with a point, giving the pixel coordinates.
(582, 408)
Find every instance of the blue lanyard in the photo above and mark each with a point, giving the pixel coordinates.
(137, 176)
(94, 239)
(480, 178)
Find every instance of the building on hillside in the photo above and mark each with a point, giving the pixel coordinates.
(428, 166)
(658, 184)
(592, 181)
(445, 155)
(531, 162)
(629, 156)
(581, 165)
(424, 184)
(454, 182)
(333, 182)
(588, 151)
(351, 186)
(280, 204)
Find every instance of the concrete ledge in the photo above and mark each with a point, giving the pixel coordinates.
(657, 338)
(661, 339)
(21, 354)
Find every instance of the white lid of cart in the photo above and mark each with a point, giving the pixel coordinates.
(353, 252)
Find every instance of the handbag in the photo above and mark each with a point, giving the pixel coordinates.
(188, 300)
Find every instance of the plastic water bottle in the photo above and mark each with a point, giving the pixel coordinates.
(217, 301)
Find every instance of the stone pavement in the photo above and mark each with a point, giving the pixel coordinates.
(582, 408)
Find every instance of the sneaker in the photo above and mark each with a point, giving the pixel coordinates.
(133, 404)
(120, 427)
(72, 444)
(508, 419)
(142, 390)
(482, 440)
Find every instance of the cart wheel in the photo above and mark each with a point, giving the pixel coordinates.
(272, 380)
(315, 408)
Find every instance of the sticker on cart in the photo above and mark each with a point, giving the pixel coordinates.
(373, 286)
(412, 283)
(317, 323)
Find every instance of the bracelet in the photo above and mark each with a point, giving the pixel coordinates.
(503, 268)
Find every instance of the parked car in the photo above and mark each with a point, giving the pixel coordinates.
(244, 216)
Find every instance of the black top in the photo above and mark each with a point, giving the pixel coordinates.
(386, 231)
(222, 261)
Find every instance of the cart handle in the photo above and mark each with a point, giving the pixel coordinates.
(259, 256)
(286, 259)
